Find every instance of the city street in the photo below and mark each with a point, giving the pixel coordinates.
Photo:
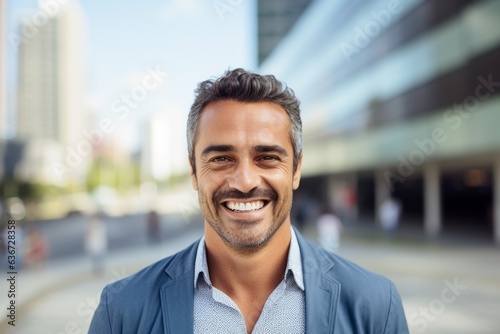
(66, 236)
(372, 124)
(445, 289)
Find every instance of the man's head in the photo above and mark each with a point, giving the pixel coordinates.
(243, 86)
(244, 138)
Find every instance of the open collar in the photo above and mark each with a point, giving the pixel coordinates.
(293, 267)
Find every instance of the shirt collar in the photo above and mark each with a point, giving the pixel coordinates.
(293, 267)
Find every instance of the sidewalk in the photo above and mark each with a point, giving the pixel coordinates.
(58, 278)
(425, 269)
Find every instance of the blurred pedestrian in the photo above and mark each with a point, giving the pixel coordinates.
(389, 214)
(350, 204)
(329, 230)
(37, 250)
(96, 242)
(153, 226)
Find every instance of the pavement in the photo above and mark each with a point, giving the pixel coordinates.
(446, 287)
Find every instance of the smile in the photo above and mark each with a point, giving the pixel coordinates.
(248, 206)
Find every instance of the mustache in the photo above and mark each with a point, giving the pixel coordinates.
(236, 194)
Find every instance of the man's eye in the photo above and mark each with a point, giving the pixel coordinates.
(269, 158)
(219, 159)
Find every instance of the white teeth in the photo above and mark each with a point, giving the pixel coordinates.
(245, 206)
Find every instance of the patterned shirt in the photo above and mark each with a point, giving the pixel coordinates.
(283, 312)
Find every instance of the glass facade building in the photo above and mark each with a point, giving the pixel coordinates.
(400, 98)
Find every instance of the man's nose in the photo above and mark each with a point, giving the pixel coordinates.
(245, 177)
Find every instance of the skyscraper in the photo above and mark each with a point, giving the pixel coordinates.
(275, 19)
(50, 109)
(3, 70)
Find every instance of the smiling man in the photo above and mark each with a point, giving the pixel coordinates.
(251, 272)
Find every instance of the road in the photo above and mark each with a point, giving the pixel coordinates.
(65, 237)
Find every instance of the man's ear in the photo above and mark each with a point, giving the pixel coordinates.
(194, 181)
(297, 174)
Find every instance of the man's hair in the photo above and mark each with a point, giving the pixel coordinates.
(244, 86)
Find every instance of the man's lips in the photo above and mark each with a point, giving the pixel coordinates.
(243, 206)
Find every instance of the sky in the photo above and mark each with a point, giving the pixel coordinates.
(187, 40)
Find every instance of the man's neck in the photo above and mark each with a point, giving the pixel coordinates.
(257, 272)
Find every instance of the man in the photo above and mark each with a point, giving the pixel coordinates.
(251, 272)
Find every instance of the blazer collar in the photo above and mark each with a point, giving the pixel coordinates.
(177, 294)
(322, 291)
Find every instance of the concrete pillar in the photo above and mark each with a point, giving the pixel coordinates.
(432, 200)
(496, 201)
(382, 192)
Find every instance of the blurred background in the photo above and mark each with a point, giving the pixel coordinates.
(400, 110)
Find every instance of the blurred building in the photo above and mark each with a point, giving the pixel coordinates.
(155, 148)
(161, 157)
(3, 72)
(51, 87)
(400, 98)
(15, 151)
(3, 88)
(276, 18)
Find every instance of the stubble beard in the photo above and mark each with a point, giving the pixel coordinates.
(243, 241)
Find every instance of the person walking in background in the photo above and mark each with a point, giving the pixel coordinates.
(153, 227)
(37, 250)
(389, 214)
(96, 242)
(329, 230)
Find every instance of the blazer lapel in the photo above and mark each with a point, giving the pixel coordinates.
(322, 292)
(177, 294)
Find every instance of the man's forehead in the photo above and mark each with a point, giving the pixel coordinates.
(227, 111)
(244, 124)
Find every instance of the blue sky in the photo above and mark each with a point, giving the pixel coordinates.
(187, 39)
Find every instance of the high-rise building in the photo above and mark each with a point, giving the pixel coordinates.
(3, 70)
(161, 157)
(275, 19)
(400, 99)
(50, 110)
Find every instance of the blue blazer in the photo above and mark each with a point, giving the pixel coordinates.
(341, 297)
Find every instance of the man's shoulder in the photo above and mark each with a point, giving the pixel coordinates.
(339, 270)
(135, 302)
(366, 302)
(149, 280)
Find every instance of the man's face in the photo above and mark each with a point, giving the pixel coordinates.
(244, 171)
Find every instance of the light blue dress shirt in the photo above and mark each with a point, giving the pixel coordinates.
(283, 312)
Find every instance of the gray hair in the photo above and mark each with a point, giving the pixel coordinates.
(244, 86)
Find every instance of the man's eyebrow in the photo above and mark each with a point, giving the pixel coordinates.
(217, 148)
(271, 148)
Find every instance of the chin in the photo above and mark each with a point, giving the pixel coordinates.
(250, 240)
